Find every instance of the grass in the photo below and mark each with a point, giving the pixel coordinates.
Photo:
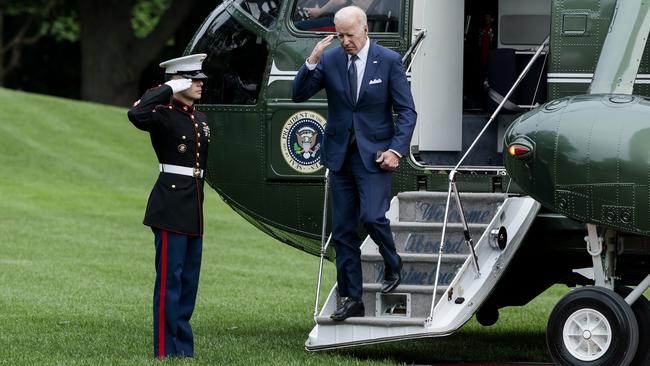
(76, 264)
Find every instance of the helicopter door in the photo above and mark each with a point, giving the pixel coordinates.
(437, 75)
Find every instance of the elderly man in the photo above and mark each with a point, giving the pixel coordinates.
(365, 84)
(180, 136)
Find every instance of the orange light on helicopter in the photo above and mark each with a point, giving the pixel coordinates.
(518, 150)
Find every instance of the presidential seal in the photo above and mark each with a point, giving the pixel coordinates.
(301, 141)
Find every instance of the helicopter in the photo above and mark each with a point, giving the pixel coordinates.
(532, 136)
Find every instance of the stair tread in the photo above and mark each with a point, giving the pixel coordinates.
(385, 321)
(434, 225)
(420, 194)
(404, 288)
(418, 257)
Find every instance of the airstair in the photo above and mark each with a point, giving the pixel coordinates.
(417, 224)
(445, 276)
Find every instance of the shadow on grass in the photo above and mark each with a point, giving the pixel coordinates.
(477, 346)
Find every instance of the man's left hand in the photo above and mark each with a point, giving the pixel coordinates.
(388, 160)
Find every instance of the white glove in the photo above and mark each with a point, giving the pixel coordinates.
(178, 85)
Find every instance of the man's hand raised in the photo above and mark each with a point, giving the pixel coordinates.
(319, 49)
(178, 85)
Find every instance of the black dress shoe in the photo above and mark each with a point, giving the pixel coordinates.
(392, 279)
(349, 308)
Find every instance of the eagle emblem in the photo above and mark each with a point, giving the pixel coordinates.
(306, 142)
(301, 140)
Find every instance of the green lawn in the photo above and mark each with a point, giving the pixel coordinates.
(76, 264)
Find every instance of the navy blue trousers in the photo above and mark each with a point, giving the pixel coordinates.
(358, 194)
(178, 263)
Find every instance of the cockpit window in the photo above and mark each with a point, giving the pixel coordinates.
(235, 63)
(265, 11)
(318, 15)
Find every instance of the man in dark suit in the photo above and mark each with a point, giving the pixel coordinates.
(180, 136)
(365, 84)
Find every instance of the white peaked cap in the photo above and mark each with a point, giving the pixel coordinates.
(189, 65)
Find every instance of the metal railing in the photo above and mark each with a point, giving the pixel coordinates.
(323, 244)
(453, 188)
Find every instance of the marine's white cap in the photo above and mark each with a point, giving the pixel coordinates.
(187, 66)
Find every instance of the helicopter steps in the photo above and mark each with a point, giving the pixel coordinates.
(416, 220)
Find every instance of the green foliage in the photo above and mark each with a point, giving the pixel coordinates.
(76, 264)
(64, 28)
(146, 14)
(55, 18)
(59, 19)
(12, 7)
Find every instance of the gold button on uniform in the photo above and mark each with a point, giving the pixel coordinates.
(182, 148)
(183, 137)
(173, 185)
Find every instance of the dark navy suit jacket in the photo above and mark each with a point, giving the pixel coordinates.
(384, 89)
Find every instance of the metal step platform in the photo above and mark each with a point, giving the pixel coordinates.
(416, 220)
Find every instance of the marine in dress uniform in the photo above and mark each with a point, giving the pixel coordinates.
(180, 136)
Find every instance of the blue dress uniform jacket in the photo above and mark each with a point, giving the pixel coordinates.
(180, 136)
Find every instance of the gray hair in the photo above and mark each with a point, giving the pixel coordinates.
(351, 10)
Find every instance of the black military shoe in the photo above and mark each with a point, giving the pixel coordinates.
(347, 309)
(392, 278)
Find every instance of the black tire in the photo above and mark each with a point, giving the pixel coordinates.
(641, 308)
(487, 315)
(599, 326)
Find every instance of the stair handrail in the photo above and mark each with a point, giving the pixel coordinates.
(323, 243)
(415, 47)
(453, 188)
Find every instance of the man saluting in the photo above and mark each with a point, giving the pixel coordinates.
(180, 136)
(365, 83)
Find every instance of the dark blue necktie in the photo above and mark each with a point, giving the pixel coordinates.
(352, 78)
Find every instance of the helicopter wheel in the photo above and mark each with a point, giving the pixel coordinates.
(592, 326)
(487, 315)
(641, 308)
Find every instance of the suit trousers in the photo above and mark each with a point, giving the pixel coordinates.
(178, 263)
(359, 195)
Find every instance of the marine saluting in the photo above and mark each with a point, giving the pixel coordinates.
(180, 136)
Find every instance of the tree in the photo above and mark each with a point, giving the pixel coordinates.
(98, 49)
(36, 22)
(112, 55)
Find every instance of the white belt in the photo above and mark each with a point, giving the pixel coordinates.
(182, 170)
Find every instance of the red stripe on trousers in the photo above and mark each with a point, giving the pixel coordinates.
(161, 303)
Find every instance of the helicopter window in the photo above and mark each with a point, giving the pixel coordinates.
(524, 29)
(265, 11)
(318, 15)
(235, 62)
(523, 24)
